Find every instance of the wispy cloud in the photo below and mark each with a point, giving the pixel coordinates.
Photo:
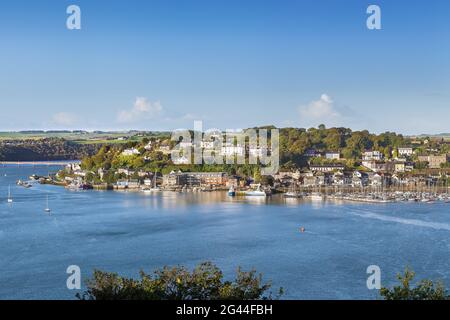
(143, 109)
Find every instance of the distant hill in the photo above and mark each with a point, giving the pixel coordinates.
(44, 149)
(437, 136)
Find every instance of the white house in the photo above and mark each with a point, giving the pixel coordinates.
(405, 151)
(336, 155)
(232, 150)
(257, 152)
(149, 146)
(125, 171)
(207, 144)
(130, 152)
(327, 167)
(182, 160)
(185, 144)
(373, 155)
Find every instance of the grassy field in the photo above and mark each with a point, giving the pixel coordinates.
(100, 141)
(82, 138)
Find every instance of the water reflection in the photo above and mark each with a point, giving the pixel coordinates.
(127, 231)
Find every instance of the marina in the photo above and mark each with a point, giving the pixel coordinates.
(313, 242)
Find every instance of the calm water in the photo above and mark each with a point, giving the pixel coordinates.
(126, 232)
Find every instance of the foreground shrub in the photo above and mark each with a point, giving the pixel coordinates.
(205, 282)
(424, 290)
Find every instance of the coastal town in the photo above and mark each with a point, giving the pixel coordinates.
(416, 171)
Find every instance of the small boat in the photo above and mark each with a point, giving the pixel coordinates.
(47, 209)
(290, 194)
(258, 192)
(316, 196)
(10, 200)
(155, 188)
(231, 192)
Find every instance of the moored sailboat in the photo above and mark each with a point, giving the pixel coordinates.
(10, 200)
(47, 208)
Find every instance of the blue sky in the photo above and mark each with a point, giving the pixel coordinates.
(161, 64)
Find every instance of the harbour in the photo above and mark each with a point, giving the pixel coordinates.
(118, 231)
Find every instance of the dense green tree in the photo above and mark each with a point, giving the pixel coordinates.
(205, 282)
(424, 290)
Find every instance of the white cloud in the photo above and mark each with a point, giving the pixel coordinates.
(64, 119)
(142, 109)
(320, 111)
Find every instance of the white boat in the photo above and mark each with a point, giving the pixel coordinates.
(47, 209)
(154, 188)
(258, 192)
(316, 196)
(10, 200)
(231, 192)
(292, 193)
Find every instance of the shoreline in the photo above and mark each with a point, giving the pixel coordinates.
(40, 163)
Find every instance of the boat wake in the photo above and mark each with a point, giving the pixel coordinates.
(414, 222)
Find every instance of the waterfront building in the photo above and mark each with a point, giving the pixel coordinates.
(341, 178)
(209, 178)
(195, 179)
(360, 179)
(233, 181)
(326, 167)
(134, 184)
(122, 184)
(309, 180)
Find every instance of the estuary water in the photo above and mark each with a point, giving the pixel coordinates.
(125, 232)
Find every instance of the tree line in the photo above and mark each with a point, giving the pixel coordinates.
(206, 282)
